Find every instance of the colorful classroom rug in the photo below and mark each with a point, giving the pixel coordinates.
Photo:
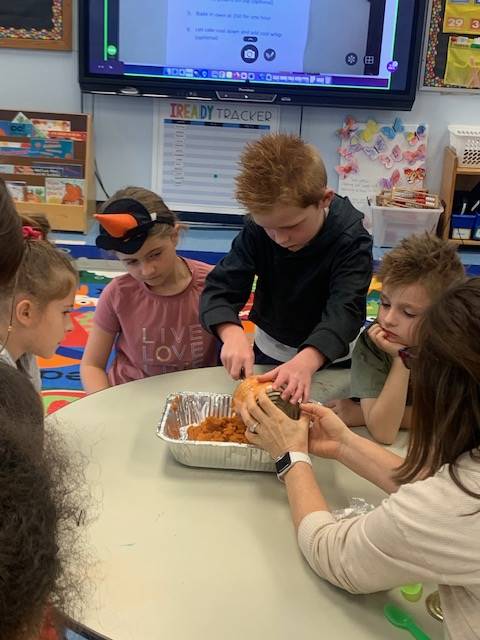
(61, 382)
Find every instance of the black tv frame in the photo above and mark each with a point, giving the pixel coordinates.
(184, 88)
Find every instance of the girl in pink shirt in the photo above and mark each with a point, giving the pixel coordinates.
(150, 314)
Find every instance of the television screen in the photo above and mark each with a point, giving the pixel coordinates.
(303, 52)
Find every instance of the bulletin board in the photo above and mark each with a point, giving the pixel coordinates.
(452, 46)
(36, 24)
(376, 157)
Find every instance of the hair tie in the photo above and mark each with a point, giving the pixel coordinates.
(29, 233)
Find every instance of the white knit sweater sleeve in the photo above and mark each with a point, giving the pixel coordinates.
(420, 532)
(428, 531)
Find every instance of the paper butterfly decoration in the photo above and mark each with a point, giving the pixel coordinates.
(389, 183)
(370, 130)
(355, 145)
(346, 152)
(356, 142)
(414, 175)
(345, 170)
(396, 128)
(387, 161)
(378, 146)
(413, 156)
(397, 153)
(349, 127)
(413, 137)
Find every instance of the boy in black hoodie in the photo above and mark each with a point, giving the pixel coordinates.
(313, 259)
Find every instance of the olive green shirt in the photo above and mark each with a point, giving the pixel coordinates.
(370, 368)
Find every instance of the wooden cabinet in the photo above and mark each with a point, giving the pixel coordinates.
(455, 177)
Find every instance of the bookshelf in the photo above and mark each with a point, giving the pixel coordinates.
(455, 177)
(47, 161)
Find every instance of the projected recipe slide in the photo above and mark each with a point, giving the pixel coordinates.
(252, 35)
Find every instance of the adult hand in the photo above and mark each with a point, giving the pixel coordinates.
(328, 435)
(275, 432)
(378, 335)
(294, 377)
(236, 354)
(348, 411)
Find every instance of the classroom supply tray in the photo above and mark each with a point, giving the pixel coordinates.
(465, 139)
(184, 409)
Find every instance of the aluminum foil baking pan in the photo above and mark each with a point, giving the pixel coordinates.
(185, 409)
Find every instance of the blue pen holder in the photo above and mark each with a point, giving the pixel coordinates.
(462, 226)
(476, 228)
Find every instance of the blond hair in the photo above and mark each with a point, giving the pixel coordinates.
(280, 168)
(423, 259)
(45, 272)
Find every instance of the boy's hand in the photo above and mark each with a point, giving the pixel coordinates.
(378, 335)
(237, 353)
(348, 411)
(295, 376)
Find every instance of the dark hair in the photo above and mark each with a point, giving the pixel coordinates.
(446, 386)
(41, 510)
(20, 405)
(42, 503)
(11, 239)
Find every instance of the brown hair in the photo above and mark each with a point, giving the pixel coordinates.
(45, 273)
(424, 259)
(40, 513)
(280, 168)
(152, 202)
(446, 386)
(20, 405)
(11, 239)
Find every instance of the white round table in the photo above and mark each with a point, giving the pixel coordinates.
(184, 553)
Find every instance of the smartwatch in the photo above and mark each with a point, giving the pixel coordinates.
(284, 463)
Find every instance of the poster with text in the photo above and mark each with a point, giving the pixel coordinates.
(196, 150)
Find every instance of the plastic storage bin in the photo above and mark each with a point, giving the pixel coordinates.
(462, 226)
(466, 141)
(392, 224)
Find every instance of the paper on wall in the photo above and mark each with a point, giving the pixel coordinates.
(196, 150)
(379, 156)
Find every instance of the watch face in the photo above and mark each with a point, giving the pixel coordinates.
(283, 464)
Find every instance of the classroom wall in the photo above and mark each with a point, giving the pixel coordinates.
(46, 80)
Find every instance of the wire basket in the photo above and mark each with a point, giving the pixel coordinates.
(466, 141)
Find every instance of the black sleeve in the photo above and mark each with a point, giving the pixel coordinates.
(228, 285)
(345, 311)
